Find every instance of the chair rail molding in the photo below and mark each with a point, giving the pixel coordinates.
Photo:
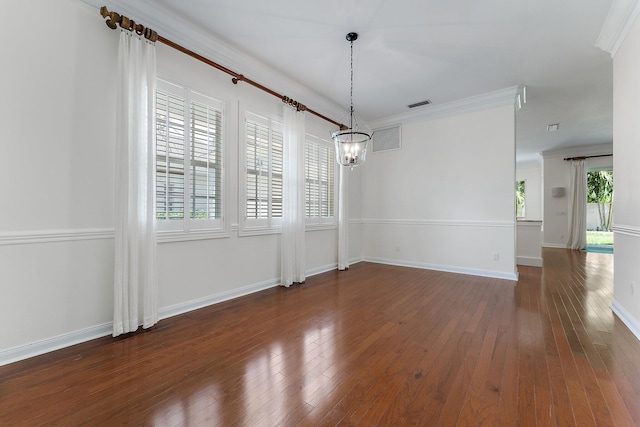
(49, 236)
(627, 230)
(440, 222)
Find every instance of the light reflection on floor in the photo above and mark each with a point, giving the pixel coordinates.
(318, 341)
(201, 407)
(267, 378)
(264, 386)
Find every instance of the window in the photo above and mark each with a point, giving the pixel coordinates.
(189, 160)
(520, 199)
(262, 174)
(319, 181)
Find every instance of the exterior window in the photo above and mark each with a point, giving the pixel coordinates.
(520, 199)
(319, 181)
(189, 180)
(262, 173)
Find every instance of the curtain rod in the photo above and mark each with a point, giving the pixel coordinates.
(587, 157)
(114, 19)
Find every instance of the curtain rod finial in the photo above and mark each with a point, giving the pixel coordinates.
(113, 18)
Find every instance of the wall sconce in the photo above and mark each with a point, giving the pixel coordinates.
(557, 192)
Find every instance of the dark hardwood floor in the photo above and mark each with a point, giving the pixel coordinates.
(375, 345)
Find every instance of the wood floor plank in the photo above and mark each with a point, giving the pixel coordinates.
(374, 345)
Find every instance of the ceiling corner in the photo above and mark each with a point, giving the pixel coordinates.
(622, 15)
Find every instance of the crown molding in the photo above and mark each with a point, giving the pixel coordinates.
(622, 15)
(201, 41)
(514, 95)
(581, 150)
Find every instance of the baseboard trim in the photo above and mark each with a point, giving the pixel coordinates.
(54, 343)
(530, 261)
(447, 268)
(356, 260)
(187, 306)
(322, 269)
(632, 323)
(554, 245)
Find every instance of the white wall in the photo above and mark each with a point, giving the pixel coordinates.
(557, 173)
(446, 199)
(355, 214)
(57, 213)
(555, 222)
(57, 174)
(626, 134)
(532, 174)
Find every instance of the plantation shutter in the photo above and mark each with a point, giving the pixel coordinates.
(276, 174)
(206, 161)
(319, 176)
(257, 170)
(263, 186)
(326, 181)
(169, 156)
(189, 159)
(312, 193)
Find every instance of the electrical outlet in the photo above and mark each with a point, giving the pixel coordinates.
(495, 256)
(397, 248)
(633, 288)
(562, 237)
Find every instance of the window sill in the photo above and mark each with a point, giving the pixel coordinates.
(320, 226)
(256, 231)
(186, 236)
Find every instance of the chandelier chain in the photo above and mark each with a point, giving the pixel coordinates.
(351, 93)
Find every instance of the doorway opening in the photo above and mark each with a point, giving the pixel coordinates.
(600, 210)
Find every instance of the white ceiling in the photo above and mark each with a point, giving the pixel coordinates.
(412, 50)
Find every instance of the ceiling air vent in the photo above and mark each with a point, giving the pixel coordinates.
(418, 104)
(386, 139)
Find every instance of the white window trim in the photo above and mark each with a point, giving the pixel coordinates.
(188, 229)
(324, 223)
(253, 226)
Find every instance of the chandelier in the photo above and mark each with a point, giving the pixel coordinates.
(351, 143)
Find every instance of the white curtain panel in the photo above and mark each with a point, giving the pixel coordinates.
(293, 185)
(135, 279)
(343, 218)
(578, 206)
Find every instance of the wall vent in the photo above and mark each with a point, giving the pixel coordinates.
(418, 104)
(386, 138)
